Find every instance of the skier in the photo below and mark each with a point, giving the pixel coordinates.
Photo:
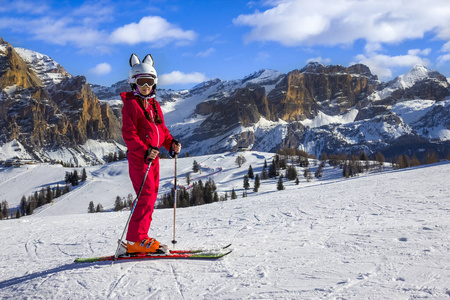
(144, 132)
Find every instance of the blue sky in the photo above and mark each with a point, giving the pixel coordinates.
(193, 41)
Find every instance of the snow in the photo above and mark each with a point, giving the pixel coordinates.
(323, 119)
(13, 149)
(407, 80)
(412, 110)
(43, 65)
(377, 236)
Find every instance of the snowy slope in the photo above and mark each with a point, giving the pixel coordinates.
(377, 236)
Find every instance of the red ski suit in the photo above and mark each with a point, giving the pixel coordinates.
(139, 134)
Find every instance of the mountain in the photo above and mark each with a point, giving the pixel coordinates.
(48, 114)
(322, 109)
(317, 108)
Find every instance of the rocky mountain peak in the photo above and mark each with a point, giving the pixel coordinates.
(44, 108)
(14, 71)
(47, 69)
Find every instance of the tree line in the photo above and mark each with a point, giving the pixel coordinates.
(45, 195)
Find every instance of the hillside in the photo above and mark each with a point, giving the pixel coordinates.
(378, 236)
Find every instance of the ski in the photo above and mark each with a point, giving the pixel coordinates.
(173, 254)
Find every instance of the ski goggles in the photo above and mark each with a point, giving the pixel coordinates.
(149, 81)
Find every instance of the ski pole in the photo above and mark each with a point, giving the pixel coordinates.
(131, 213)
(175, 202)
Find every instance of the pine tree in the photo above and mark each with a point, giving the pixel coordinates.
(118, 204)
(246, 182)
(264, 174)
(41, 198)
(233, 194)
(291, 173)
(188, 178)
(430, 157)
(297, 181)
(31, 205)
(58, 191)
(319, 171)
(195, 167)
(49, 195)
(5, 209)
(75, 178)
(197, 194)
(308, 174)
(99, 208)
(66, 189)
(91, 208)
(280, 185)
(272, 170)
(23, 205)
(250, 172)
(379, 157)
(415, 161)
(83, 175)
(257, 184)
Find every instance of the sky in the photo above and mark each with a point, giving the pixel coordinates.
(194, 41)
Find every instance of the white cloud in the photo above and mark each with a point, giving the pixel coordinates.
(446, 47)
(324, 22)
(101, 69)
(177, 77)
(319, 60)
(81, 28)
(206, 53)
(415, 52)
(154, 30)
(443, 59)
(23, 6)
(383, 65)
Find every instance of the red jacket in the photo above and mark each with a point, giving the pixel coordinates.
(138, 132)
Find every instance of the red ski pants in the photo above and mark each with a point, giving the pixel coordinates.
(142, 216)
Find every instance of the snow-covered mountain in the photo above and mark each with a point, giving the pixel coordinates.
(47, 114)
(380, 235)
(318, 109)
(46, 68)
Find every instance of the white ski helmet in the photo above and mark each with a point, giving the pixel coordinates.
(144, 68)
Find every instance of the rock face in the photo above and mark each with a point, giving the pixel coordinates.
(330, 89)
(58, 111)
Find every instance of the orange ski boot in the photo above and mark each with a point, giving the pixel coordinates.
(145, 246)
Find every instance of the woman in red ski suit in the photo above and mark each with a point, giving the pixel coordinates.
(144, 132)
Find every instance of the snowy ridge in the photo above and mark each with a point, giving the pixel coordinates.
(416, 74)
(47, 69)
(378, 236)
